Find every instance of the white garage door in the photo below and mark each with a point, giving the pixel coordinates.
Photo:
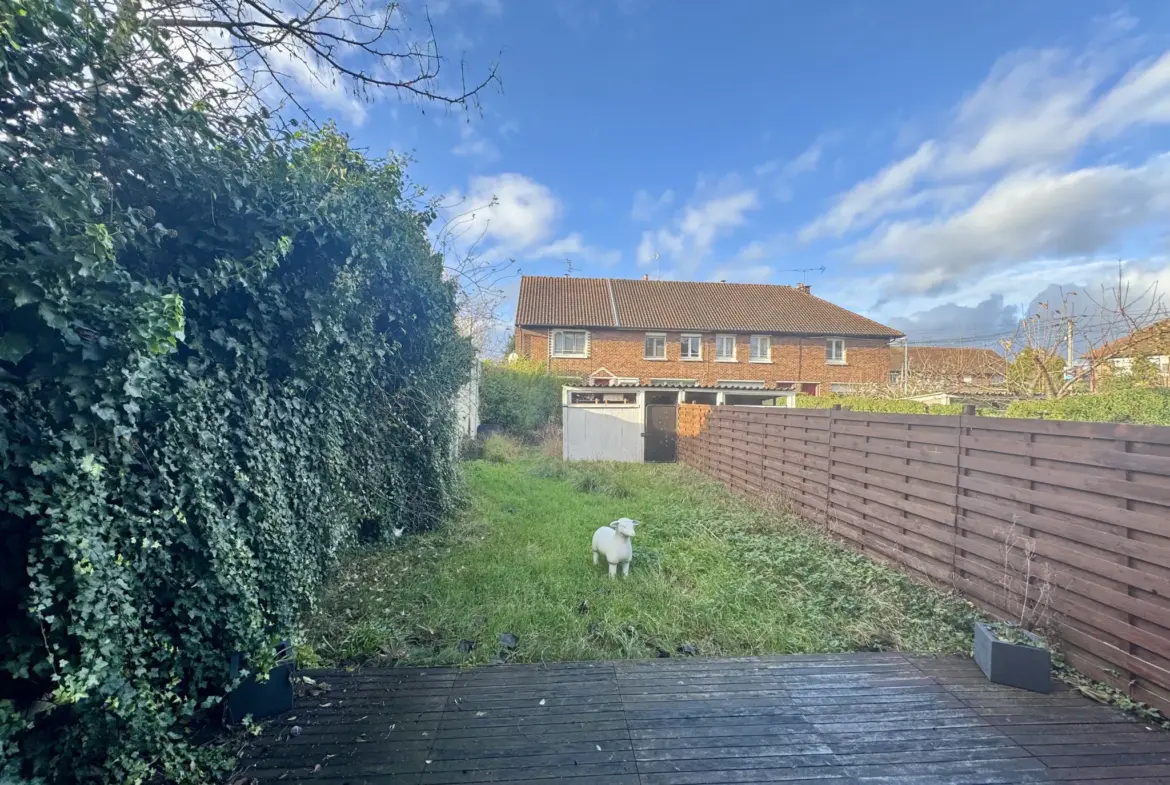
(612, 433)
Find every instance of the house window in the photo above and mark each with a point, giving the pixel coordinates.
(690, 347)
(570, 343)
(754, 384)
(761, 349)
(655, 348)
(842, 389)
(724, 348)
(835, 351)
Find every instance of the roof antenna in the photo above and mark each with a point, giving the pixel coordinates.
(803, 270)
(658, 259)
(568, 267)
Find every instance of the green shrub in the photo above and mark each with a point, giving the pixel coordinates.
(223, 354)
(499, 448)
(861, 403)
(521, 399)
(1135, 405)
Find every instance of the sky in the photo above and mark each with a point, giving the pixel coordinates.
(949, 165)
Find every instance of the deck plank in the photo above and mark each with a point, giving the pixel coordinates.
(845, 719)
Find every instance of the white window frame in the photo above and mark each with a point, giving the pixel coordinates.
(851, 391)
(672, 382)
(829, 345)
(698, 339)
(752, 349)
(734, 343)
(751, 384)
(646, 340)
(585, 343)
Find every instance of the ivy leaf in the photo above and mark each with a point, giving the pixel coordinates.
(14, 347)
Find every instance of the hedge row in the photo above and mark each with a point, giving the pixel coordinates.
(224, 356)
(1147, 406)
(518, 397)
(862, 403)
(1142, 406)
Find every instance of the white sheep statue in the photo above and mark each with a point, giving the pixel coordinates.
(613, 542)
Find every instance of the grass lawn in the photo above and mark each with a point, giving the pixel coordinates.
(709, 570)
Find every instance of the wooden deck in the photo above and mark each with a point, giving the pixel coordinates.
(862, 718)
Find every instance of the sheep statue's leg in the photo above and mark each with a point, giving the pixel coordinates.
(612, 570)
(626, 570)
(595, 557)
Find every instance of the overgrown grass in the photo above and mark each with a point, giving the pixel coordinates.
(709, 570)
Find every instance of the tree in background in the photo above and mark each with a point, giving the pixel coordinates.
(240, 53)
(1030, 369)
(1058, 352)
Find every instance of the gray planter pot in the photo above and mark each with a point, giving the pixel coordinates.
(1013, 664)
(263, 698)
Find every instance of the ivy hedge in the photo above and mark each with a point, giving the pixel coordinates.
(225, 354)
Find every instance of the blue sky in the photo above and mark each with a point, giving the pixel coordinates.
(947, 163)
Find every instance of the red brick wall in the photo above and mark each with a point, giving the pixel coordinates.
(793, 359)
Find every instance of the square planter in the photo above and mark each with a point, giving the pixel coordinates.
(263, 698)
(1013, 664)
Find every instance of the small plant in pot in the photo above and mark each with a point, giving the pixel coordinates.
(1011, 652)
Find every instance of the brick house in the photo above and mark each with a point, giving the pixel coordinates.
(685, 335)
(1151, 343)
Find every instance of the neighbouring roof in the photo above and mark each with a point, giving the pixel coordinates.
(949, 360)
(685, 305)
(1154, 340)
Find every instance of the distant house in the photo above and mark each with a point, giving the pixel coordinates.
(946, 368)
(698, 338)
(1118, 357)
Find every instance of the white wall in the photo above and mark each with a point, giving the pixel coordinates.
(467, 404)
(603, 433)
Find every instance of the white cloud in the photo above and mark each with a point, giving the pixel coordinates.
(692, 234)
(872, 198)
(1027, 215)
(647, 207)
(507, 211)
(1034, 108)
(573, 246)
(472, 144)
(512, 216)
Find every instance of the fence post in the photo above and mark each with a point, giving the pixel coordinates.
(829, 472)
(968, 411)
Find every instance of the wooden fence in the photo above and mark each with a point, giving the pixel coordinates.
(962, 499)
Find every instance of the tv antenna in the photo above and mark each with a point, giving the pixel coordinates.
(568, 267)
(803, 270)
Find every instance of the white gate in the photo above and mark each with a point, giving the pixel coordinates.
(602, 433)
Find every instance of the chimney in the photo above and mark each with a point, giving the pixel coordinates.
(804, 288)
(645, 276)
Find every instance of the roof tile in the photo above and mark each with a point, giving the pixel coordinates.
(686, 305)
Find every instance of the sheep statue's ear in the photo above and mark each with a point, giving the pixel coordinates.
(613, 524)
(636, 523)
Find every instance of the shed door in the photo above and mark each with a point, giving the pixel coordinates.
(602, 434)
(661, 433)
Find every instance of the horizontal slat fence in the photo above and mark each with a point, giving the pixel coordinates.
(943, 496)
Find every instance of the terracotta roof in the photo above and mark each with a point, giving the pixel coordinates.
(685, 305)
(950, 360)
(1154, 340)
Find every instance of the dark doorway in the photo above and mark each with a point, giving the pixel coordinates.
(661, 433)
